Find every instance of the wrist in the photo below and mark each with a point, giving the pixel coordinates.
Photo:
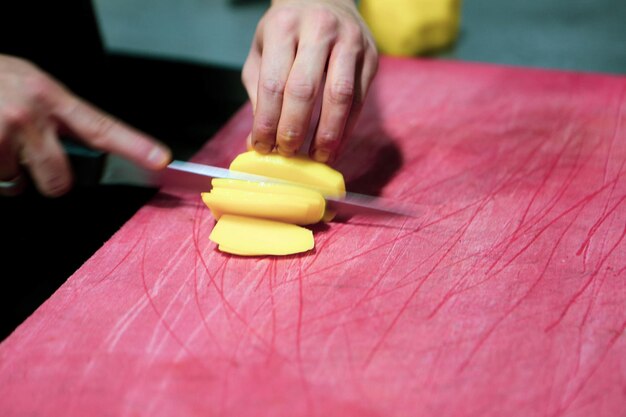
(341, 2)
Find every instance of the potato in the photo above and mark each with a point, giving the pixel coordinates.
(255, 218)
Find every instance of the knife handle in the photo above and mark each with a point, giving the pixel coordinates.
(87, 164)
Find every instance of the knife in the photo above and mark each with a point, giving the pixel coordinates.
(194, 177)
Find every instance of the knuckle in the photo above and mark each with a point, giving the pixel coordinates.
(324, 20)
(284, 19)
(16, 116)
(39, 88)
(328, 140)
(101, 127)
(301, 90)
(273, 87)
(265, 128)
(326, 27)
(353, 33)
(290, 138)
(341, 92)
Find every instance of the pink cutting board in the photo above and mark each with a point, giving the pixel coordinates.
(505, 297)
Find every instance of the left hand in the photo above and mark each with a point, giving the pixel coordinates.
(300, 47)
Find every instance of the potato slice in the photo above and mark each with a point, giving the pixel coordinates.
(226, 249)
(290, 208)
(253, 236)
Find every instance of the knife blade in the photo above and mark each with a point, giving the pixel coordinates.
(194, 177)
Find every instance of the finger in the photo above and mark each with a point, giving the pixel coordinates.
(370, 67)
(276, 61)
(250, 74)
(301, 91)
(364, 77)
(336, 104)
(43, 156)
(103, 132)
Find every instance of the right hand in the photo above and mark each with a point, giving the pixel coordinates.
(301, 47)
(34, 108)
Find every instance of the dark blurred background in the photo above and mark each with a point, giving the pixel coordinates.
(172, 69)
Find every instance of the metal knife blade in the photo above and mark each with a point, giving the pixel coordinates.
(194, 177)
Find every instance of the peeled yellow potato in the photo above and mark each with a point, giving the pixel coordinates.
(297, 169)
(266, 187)
(250, 236)
(412, 27)
(255, 218)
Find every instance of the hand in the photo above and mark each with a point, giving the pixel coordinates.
(301, 46)
(34, 108)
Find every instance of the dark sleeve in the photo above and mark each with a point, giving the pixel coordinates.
(61, 37)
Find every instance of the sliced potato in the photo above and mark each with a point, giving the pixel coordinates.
(253, 236)
(261, 218)
(289, 208)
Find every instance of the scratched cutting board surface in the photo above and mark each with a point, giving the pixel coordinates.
(506, 296)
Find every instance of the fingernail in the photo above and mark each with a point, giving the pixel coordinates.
(262, 147)
(158, 156)
(321, 155)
